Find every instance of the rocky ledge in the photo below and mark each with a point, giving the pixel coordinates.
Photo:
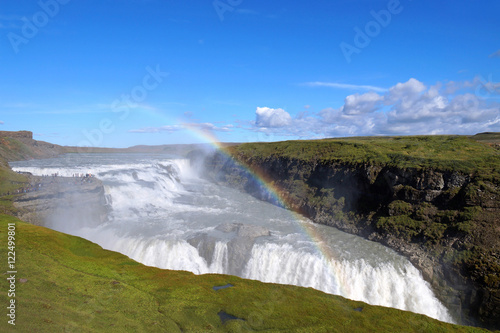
(53, 201)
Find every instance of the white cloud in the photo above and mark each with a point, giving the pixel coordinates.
(483, 87)
(405, 93)
(209, 127)
(413, 102)
(344, 86)
(359, 104)
(495, 54)
(495, 121)
(168, 129)
(268, 117)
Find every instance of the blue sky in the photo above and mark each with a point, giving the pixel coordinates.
(117, 73)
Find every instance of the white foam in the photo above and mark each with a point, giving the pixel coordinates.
(385, 285)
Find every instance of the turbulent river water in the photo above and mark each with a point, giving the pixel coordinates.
(164, 214)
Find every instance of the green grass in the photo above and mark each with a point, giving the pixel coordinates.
(14, 149)
(74, 285)
(446, 153)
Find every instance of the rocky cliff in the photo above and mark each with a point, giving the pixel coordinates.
(444, 219)
(16, 146)
(17, 135)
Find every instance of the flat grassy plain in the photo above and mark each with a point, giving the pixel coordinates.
(441, 152)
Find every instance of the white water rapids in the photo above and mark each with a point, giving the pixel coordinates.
(164, 215)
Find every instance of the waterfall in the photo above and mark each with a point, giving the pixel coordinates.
(163, 215)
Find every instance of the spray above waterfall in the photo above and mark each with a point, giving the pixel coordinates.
(274, 195)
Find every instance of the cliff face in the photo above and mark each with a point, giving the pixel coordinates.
(57, 201)
(16, 146)
(17, 135)
(445, 222)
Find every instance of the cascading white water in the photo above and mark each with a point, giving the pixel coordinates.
(398, 285)
(163, 215)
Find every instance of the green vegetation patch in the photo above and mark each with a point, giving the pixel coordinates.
(10, 182)
(402, 226)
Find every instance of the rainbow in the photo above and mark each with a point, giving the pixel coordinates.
(263, 179)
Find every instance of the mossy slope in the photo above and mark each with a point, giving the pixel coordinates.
(73, 285)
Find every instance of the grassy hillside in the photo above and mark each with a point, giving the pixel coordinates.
(15, 148)
(67, 284)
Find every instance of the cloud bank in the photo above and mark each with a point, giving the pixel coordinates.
(495, 54)
(407, 108)
(206, 127)
(404, 109)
